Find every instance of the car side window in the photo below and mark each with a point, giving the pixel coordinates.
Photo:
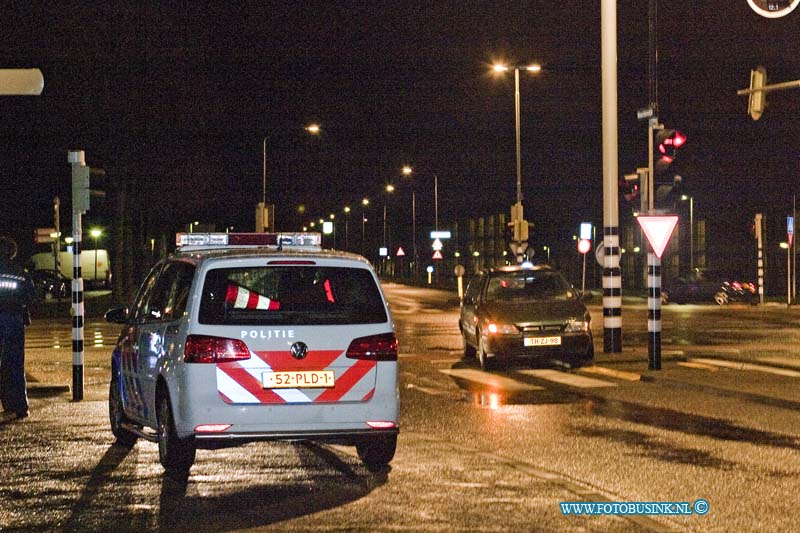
(473, 289)
(155, 308)
(179, 295)
(137, 310)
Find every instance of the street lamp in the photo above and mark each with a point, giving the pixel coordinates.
(501, 68)
(364, 204)
(691, 229)
(313, 129)
(95, 232)
(346, 230)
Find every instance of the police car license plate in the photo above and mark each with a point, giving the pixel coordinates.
(542, 341)
(300, 379)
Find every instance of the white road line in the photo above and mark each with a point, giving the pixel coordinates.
(611, 372)
(573, 380)
(492, 380)
(778, 360)
(700, 366)
(747, 366)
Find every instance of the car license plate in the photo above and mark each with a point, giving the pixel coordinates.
(542, 341)
(300, 379)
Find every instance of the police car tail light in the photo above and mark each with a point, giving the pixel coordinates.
(381, 347)
(208, 349)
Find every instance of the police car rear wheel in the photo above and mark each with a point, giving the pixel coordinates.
(117, 416)
(378, 451)
(175, 454)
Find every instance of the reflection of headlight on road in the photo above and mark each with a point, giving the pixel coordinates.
(494, 328)
(577, 325)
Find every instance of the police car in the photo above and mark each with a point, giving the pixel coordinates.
(255, 336)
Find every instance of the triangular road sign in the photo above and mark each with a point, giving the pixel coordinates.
(658, 230)
(437, 254)
(400, 251)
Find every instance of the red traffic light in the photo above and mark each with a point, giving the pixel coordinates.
(668, 141)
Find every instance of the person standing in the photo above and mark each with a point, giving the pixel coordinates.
(16, 292)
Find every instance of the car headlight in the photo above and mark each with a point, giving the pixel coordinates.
(496, 328)
(578, 324)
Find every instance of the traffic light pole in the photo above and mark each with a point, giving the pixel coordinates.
(80, 201)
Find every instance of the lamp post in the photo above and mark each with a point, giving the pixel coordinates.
(517, 216)
(261, 219)
(346, 230)
(691, 230)
(95, 233)
(364, 204)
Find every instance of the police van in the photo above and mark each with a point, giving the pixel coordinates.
(241, 337)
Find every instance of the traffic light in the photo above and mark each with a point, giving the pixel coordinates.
(758, 98)
(629, 186)
(81, 188)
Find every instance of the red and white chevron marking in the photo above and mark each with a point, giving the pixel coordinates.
(241, 381)
(241, 298)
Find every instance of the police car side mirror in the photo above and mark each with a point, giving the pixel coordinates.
(117, 315)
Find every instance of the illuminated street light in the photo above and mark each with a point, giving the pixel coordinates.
(501, 68)
(95, 233)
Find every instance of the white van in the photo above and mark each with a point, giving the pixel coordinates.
(95, 266)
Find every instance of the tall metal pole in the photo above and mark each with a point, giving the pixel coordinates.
(691, 233)
(436, 202)
(516, 117)
(264, 173)
(612, 277)
(414, 229)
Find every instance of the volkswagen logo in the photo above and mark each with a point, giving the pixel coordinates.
(299, 350)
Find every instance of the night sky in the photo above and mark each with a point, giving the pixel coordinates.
(178, 98)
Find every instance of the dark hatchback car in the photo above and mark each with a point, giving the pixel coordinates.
(525, 313)
(50, 284)
(708, 286)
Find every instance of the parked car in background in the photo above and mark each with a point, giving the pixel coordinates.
(707, 286)
(525, 313)
(50, 285)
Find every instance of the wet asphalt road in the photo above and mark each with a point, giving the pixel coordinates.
(477, 451)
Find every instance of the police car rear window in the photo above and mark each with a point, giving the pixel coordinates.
(297, 295)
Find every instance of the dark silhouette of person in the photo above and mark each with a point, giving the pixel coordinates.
(16, 292)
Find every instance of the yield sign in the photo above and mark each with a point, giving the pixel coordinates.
(658, 230)
(400, 251)
(437, 245)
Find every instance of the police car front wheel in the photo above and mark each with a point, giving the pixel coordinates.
(117, 416)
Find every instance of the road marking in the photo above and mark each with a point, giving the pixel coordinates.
(612, 373)
(492, 380)
(699, 366)
(778, 360)
(748, 366)
(573, 380)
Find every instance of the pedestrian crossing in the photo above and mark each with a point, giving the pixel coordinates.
(515, 381)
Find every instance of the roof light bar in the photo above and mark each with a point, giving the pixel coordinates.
(290, 239)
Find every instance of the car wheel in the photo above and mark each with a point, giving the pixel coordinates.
(176, 454)
(469, 350)
(378, 451)
(721, 298)
(483, 358)
(117, 417)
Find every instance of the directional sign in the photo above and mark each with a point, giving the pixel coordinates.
(658, 230)
(400, 252)
(440, 235)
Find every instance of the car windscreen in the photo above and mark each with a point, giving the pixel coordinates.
(528, 285)
(291, 294)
